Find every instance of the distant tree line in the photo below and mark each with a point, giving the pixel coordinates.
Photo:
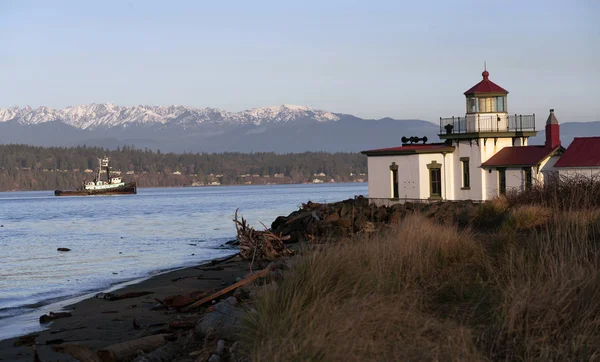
(24, 167)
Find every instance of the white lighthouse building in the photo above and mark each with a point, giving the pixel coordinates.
(483, 154)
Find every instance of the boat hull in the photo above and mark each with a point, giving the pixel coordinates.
(128, 188)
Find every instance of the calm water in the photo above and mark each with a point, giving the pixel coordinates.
(114, 239)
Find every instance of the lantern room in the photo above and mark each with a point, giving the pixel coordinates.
(486, 97)
(487, 115)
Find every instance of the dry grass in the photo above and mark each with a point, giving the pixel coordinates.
(425, 292)
(573, 193)
(379, 300)
(525, 217)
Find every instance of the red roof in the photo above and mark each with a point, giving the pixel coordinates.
(519, 156)
(486, 86)
(582, 152)
(411, 149)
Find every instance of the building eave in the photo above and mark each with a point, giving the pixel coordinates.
(375, 153)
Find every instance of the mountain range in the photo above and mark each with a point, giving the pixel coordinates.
(282, 129)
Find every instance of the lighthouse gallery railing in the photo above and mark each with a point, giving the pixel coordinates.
(474, 123)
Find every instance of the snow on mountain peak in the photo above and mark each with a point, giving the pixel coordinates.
(108, 115)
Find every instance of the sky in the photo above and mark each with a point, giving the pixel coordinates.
(372, 59)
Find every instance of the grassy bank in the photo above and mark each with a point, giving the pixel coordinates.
(521, 281)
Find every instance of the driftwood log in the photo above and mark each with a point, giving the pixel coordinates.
(78, 352)
(127, 350)
(259, 245)
(228, 289)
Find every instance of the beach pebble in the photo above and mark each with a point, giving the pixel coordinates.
(220, 347)
(232, 300)
(241, 293)
(63, 249)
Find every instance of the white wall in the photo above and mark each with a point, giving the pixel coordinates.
(380, 176)
(473, 152)
(515, 179)
(579, 171)
(491, 189)
(490, 180)
(446, 172)
(546, 170)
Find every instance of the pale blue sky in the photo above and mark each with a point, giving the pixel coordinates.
(373, 59)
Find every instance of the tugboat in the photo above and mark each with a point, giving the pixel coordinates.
(113, 185)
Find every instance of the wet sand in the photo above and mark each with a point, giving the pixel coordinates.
(97, 323)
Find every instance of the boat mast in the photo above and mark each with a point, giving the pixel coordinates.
(99, 169)
(104, 165)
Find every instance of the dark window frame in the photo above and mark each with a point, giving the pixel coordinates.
(466, 173)
(528, 175)
(435, 180)
(501, 181)
(394, 171)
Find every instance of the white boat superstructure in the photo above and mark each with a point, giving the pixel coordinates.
(98, 184)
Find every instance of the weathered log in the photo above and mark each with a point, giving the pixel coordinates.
(80, 353)
(127, 350)
(181, 300)
(47, 318)
(211, 297)
(184, 324)
(25, 340)
(112, 297)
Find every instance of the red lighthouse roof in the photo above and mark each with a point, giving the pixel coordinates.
(486, 86)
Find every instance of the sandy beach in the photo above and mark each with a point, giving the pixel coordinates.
(96, 323)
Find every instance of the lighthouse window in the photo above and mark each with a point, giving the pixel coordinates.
(487, 104)
(472, 105)
(499, 104)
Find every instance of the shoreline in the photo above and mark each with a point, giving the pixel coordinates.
(93, 317)
(205, 186)
(59, 304)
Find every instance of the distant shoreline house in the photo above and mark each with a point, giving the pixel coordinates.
(483, 154)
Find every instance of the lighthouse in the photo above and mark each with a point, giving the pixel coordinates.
(483, 154)
(487, 116)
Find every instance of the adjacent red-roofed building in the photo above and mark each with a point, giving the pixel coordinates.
(483, 154)
(582, 157)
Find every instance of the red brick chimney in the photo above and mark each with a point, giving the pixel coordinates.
(552, 131)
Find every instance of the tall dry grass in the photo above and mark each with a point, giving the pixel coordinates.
(561, 193)
(378, 300)
(421, 291)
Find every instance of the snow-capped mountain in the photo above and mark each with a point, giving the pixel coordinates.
(108, 115)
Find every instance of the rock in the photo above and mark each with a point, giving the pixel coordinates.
(63, 249)
(360, 222)
(233, 350)
(28, 340)
(396, 216)
(46, 318)
(241, 293)
(220, 347)
(332, 217)
(232, 300)
(279, 221)
(226, 320)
